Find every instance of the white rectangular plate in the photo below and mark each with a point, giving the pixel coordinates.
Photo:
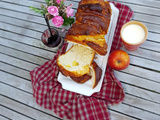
(86, 88)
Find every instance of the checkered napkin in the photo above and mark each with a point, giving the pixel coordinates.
(48, 92)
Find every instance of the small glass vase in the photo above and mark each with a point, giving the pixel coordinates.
(54, 41)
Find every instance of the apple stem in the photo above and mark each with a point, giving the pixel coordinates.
(119, 61)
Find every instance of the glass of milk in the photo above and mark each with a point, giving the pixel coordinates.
(133, 34)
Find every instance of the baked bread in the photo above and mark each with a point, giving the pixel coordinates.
(91, 25)
(76, 61)
(82, 79)
(88, 31)
(96, 73)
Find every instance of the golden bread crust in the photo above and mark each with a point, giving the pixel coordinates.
(98, 74)
(81, 79)
(100, 50)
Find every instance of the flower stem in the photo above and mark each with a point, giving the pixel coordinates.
(46, 19)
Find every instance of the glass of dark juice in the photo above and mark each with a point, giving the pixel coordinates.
(54, 40)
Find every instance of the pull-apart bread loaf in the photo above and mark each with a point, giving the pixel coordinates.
(91, 25)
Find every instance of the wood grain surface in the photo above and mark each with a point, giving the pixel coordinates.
(21, 50)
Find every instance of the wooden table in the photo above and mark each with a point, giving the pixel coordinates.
(21, 50)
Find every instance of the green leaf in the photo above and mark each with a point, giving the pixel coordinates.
(48, 2)
(44, 9)
(61, 6)
(66, 21)
(71, 20)
(41, 11)
(62, 2)
(37, 10)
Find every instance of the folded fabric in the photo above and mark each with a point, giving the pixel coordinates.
(48, 92)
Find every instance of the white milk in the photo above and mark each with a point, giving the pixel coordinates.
(133, 34)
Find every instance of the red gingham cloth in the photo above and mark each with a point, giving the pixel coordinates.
(49, 93)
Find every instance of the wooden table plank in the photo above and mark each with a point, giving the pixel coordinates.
(138, 82)
(142, 104)
(152, 27)
(143, 53)
(151, 46)
(146, 18)
(24, 98)
(32, 19)
(37, 4)
(28, 25)
(23, 56)
(25, 40)
(16, 7)
(17, 62)
(26, 2)
(16, 81)
(141, 93)
(10, 69)
(150, 3)
(137, 113)
(145, 63)
(25, 110)
(29, 49)
(13, 114)
(142, 9)
(22, 16)
(2, 117)
(117, 116)
(153, 37)
(20, 30)
(143, 73)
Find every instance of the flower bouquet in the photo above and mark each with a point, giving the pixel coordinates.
(56, 11)
(60, 14)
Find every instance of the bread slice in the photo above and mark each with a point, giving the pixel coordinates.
(96, 73)
(76, 61)
(97, 42)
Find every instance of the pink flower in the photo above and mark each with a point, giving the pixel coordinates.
(57, 21)
(53, 10)
(59, 1)
(69, 10)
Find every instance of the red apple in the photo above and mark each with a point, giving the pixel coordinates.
(118, 60)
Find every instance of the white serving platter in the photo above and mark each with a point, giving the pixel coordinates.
(86, 88)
